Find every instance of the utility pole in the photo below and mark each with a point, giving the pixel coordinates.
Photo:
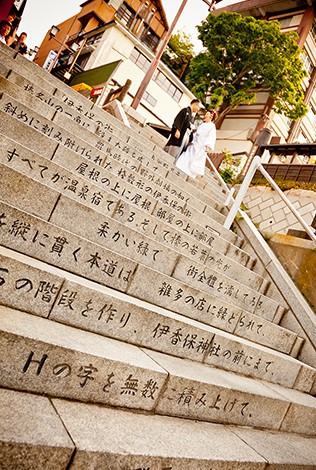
(148, 76)
(142, 87)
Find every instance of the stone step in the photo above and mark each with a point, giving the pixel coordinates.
(61, 361)
(56, 434)
(17, 85)
(88, 118)
(91, 151)
(30, 88)
(35, 237)
(177, 196)
(68, 95)
(134, 207)
(17, 157)
(55, 294)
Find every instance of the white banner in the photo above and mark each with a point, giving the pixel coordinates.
(49, 60)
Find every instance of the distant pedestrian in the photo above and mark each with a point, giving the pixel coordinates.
(19, 44)
(181, 127)
(12, 19)
(5, 29)
(192, 161)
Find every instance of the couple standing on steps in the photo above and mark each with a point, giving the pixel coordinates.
(190, 152)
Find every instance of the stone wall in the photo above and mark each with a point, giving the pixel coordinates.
(270, 213)
(298, 257)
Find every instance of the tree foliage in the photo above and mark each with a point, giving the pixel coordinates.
(178, 52)
(243, 56)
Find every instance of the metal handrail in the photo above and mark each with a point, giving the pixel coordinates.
(256, 165)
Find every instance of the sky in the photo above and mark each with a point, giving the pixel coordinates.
(40, 15)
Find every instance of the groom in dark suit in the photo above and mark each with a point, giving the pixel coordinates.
(183, 121)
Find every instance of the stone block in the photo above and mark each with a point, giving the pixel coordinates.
(236, 271)
(279, 227)
(25, 287)
(309, 209)
(28, 137)
(214, 214)
(173, 295)
(281, 450)
(266, 213)
(113, 235)
(104, 313)
(279, 205)
(60, 135)
(193, 220)
(58, 360)
(291, 219)
(27, 99)
(6, 51)
(32, 435)
(253, 201)
(256, 213)
(217, 285)
(44, 93)
(199, 392)
(267, 203)
(54, 176)
(41, 240)
(27, 69)
(278, 216)
(4, 70)
(139, 441)
(301, 414)
(240, 356)
(167, 292)
(239, 255)
(25, 193)
(265, 332)
(305, 379)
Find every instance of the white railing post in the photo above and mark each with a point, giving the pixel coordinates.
(230, 197)
(218, 176)
(256, 162)
(256, 165)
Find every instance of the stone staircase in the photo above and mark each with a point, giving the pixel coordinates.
(136, 332)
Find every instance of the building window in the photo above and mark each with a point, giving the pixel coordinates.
(285, 22)
(140, 60)
(162, 81)
(150, 99)
(167, 85)
(308, 64)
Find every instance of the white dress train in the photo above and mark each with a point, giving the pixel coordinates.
(192, 161)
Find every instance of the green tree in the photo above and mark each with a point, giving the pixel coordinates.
(178, 52)
(243, 56)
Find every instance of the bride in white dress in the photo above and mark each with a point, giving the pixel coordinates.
(193, 160)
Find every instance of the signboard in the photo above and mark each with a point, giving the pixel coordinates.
(49, 60)
(96, 92)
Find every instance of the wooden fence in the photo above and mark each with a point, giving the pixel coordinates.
(292, 172)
